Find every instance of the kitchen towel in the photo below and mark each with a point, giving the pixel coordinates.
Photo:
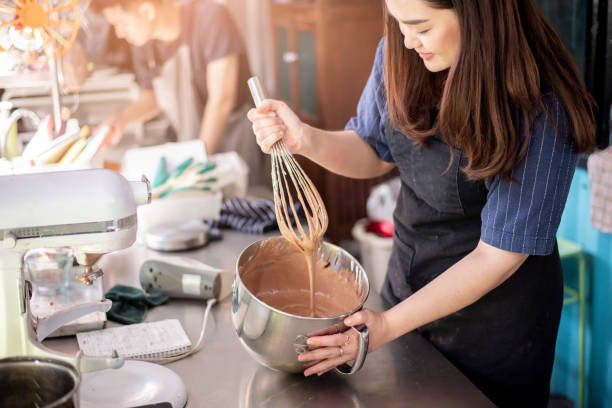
(130, 304)
(243, 215)
(599, 166)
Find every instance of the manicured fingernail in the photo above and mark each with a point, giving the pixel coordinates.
(309, 342)
(348, 322)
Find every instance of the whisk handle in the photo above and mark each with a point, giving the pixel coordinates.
(257, 91)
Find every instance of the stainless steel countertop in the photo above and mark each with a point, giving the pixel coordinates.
(406, 372)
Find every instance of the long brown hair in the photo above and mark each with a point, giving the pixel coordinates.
(508, 55)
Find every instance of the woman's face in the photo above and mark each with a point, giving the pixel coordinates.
(433, 33)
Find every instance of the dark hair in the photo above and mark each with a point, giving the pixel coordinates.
(509, 54)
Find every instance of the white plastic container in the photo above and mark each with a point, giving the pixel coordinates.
(375, 254)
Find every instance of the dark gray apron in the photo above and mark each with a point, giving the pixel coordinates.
(504, 343)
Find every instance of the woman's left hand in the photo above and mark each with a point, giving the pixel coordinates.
(336, 349)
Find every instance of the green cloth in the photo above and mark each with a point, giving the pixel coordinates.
(130, 304)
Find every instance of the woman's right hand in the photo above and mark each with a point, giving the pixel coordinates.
(274, 120)
(332, 350)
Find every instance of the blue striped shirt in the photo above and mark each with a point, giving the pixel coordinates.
(519, 217)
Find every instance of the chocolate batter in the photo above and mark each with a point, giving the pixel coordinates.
(278, 276)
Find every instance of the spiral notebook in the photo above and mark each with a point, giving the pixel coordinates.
(164, 338)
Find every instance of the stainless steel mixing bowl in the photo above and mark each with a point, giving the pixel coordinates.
(38, 382)
(275, 338)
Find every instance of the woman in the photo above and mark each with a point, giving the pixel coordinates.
(482, 110)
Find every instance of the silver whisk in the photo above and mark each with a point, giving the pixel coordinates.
(289, 181)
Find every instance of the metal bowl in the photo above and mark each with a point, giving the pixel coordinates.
(275, 338)
(37, 382)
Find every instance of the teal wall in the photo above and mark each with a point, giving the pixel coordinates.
(576, 226)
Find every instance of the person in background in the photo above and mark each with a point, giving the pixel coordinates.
(191, 62)
(482, 110)
(95, 45)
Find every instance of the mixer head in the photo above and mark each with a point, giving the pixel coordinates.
(92, 211)
(36, 31)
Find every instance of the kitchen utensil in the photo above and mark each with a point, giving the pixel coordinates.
(76, 294)
(288, 181)
(180, 277)
(91, 211)
(275, 338)
(49, 269)
(136, 384)
(177, 210)
(173, 236)
(37, 382)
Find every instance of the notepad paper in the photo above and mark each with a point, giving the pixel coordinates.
(164, 338)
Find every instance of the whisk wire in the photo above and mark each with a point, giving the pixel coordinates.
(287, 173)
(288, 196)
(314, 199)
(304, 183)
(283, 199)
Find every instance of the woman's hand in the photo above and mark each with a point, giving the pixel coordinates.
(115, 132)
(274, 120)
(337, 349)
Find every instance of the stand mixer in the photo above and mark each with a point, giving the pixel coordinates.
(92, 211)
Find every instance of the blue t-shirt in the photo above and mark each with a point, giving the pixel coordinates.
(519, 217)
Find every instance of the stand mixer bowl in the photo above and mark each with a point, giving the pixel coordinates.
(275, 338)
(37, 382)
